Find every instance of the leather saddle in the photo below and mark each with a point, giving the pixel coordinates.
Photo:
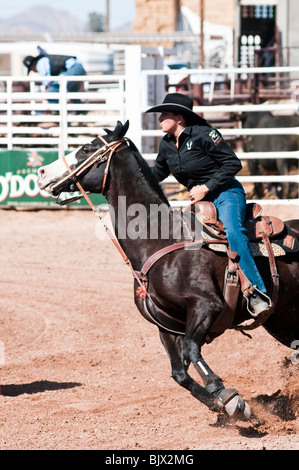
(259, 228)
(255, 223)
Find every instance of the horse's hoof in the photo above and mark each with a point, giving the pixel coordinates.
(233, 404)
(238, 408)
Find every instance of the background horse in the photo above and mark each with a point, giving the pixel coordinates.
(184, 287)
(271, 143)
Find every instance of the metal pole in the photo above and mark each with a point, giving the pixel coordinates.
(107, 16)
(202, 54)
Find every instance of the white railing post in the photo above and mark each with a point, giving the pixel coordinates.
(133, 67)
(138, 88)
(9, 115)
(63, 141)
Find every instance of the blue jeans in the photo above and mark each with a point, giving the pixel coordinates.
(230, 202)
(76, 69)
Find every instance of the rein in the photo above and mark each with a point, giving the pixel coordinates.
(140, 276)
(111, 148)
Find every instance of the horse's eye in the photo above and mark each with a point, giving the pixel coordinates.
(84, 149)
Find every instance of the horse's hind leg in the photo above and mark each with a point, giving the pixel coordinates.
(174, 346)
(196, 331)
(226, 398)
(213, 394)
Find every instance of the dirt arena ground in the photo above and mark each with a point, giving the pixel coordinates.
(81, 369)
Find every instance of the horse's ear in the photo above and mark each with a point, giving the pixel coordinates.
(108, 131)
(121, 129)
(126, 126)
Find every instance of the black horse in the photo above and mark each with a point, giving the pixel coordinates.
(271, 143)
(184, 287)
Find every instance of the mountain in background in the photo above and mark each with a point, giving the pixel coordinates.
(43, 19)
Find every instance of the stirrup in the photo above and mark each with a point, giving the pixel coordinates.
(262, 294)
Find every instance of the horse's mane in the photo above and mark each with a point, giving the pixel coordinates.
(147, 174)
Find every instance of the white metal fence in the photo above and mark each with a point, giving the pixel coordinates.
(209, 77)
(29, 121)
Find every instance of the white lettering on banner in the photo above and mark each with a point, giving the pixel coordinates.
(31, 191)
(4, 188)
(15, 186)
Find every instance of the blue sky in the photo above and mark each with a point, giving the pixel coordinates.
(121, 11)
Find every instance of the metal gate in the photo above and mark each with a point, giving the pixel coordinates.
(30, 123)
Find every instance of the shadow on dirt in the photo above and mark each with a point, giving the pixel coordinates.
(250, 429)
(279, 405)
(35, 387)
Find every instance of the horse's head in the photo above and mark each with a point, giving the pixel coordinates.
(86, 165)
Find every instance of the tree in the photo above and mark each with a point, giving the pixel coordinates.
(96, 22)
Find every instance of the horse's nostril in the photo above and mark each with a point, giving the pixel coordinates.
(41, 173)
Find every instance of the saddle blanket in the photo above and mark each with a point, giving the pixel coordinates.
(282, 244)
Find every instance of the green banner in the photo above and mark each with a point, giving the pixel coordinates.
(18, 180)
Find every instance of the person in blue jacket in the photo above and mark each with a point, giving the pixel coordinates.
(198, 157)
(53, 65)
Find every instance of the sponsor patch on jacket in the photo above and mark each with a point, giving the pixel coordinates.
(215, 137)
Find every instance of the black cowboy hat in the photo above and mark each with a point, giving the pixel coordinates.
(178, 104)
(28, 61)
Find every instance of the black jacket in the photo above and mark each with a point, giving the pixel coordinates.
(57, 62)
(203, 157)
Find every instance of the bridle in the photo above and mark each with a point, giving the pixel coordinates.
(99, 156)
(105, 153)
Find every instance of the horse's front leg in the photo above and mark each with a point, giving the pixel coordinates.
(174, 346)
(197, 328)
